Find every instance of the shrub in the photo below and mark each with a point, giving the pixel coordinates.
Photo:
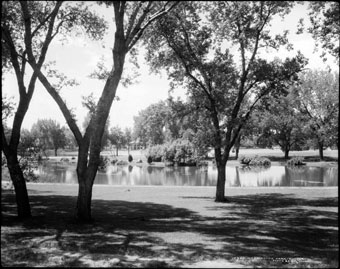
(244, 160)
(156, 152)
(296, 161)
(260, 161)
(149, 159)
(130, 159)
(103, 162)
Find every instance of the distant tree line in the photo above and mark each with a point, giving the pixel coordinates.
(303, 117)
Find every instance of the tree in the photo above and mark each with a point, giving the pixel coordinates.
(281, 123)
(131, 19)
(319, 101)
(14, 58)
(116, 137)
(71, 143)
(190, 46)
(325, 25)
(49, 134)
(28, 28)
(150, 123)
(128, 138)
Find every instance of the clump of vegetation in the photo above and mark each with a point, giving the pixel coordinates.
(130, 158)
(103, 162)
(179, 151)
(256, 160)
(156, 152)
(149, 159)
(296, 161)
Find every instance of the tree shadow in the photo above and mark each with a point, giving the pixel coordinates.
(267, 226)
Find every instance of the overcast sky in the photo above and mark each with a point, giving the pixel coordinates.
(78, 58)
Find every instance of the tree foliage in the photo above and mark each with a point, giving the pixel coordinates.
(325, 21)
(281, 123)
(49, 134)
(319, 101)
(212, 49)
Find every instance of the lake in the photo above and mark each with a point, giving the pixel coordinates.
(273, 176)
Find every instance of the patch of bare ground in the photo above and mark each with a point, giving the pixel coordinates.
(174, 227)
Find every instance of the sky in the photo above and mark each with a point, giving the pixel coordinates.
(78, 57)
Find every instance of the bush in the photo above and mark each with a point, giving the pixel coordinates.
(149, 159)
(103, 162)
(180, 151)
(244, 160)
(260, 161)
(130, 159)
(296, 161)
(156, 152)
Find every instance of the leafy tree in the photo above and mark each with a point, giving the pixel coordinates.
(325, 25)
(28, 28)
(150, 122)
(319, 101)
(14, 58)
(116, 137)
(28, 151)
(131, 19)
(281, 123)
(49, 134)
(71, 142)
(128, 138)
(190, 44)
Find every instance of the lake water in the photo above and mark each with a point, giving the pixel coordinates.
(272, 176)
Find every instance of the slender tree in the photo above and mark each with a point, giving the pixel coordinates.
(190, 44)
(14, 58)
(131, 19)
(27, 30)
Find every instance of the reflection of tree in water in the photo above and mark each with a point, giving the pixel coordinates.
(252, 176)
(256, 169)
(330, 176)
(310, 176)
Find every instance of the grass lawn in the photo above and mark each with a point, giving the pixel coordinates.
(174, 227)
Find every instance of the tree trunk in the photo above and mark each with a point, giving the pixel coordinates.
(17, 177)
(84, 200)
(237, 151)
(117, 151)
(55, 152)
(221, 177)
(286, 153)
(237, 146)
(320, 145)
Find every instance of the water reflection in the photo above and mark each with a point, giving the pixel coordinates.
(191, 176)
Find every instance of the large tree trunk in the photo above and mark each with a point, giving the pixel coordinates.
(17, 177)
(220, 188)
(84, 200)
(286, 150)
(55, 152)
(320, 145)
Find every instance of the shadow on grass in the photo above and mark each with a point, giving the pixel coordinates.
(254, 230)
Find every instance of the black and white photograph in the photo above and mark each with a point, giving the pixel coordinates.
(170, 134)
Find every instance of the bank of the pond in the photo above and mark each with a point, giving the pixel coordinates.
(310, 157)
(149, 226)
